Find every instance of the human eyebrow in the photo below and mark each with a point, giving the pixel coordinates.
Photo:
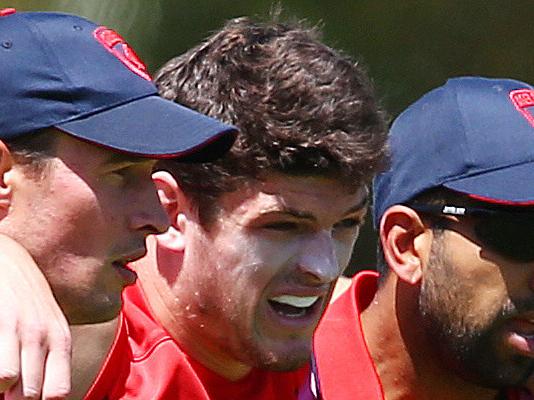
(119, 161)
(121, 158)
(305, 215)
(361, 206)
(291, 212)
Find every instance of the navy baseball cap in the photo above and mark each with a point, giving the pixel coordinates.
(63, 71)
(473, 135)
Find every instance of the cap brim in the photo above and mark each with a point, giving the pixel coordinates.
(157, 128)
(508, 186)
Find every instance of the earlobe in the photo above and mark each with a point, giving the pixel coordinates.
(401, 231)
(172, 240)
(6, 164)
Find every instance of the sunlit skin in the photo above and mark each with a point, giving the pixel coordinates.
(462, 314)
(213, 289)
(82, 221)
(488, 311)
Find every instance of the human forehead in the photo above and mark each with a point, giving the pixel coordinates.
(309, 197)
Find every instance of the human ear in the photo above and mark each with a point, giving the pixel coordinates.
(405, 242)
(6, 164)
(167, 188)
(174, 202)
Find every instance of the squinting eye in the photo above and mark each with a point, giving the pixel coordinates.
(281, 226)
(348, 223)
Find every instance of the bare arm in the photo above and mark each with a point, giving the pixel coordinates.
(35, 341)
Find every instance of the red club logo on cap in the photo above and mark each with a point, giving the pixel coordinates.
(117, 46)
(523, 100)
(7, 11)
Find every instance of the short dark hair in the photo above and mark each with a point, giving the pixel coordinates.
(33, 150)
(302, 108)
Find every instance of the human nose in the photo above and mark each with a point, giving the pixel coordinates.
(318, 259)
(149, 216)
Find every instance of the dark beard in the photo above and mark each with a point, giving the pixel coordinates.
(474, 357)
(475, 354)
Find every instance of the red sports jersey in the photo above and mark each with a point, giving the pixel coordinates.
(146, 363)
(343, 367)
(346, 371)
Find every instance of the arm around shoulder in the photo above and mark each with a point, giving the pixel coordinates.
(34, 333)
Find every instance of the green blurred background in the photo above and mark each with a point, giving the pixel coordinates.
(408, 46)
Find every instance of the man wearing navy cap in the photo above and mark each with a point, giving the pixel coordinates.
(229, 296)
(80, 125)
(450, 315)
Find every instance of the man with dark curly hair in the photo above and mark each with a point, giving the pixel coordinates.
(228, 298)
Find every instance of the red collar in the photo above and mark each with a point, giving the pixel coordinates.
(345, 368)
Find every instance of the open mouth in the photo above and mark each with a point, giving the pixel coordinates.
(294, 306)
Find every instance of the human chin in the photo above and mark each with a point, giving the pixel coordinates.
(280, 355)
(482, 358)
(275, 346)
(477, 354)
(83, 306)
(96, 295)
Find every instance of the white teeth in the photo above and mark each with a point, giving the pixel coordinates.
(296, 301)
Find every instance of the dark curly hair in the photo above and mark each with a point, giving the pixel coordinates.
(302, 108)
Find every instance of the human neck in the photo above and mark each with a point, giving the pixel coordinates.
(403, 358)
(90, 346)
(210, 356)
